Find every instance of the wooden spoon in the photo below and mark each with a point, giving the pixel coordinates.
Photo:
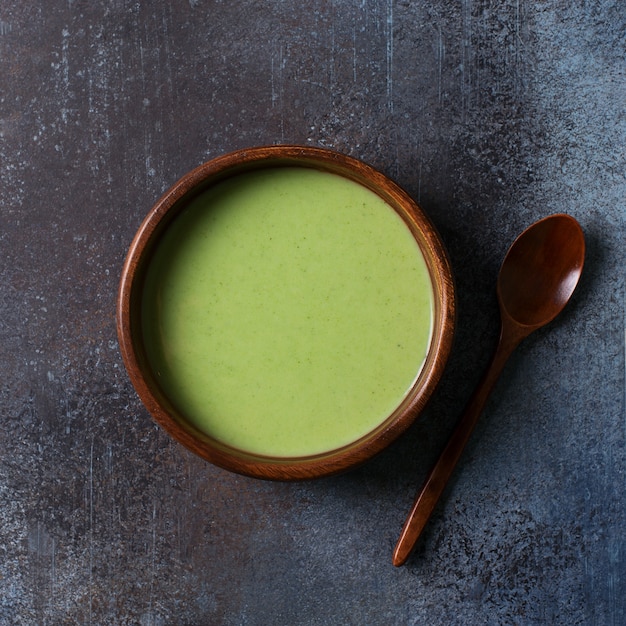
(536, 280)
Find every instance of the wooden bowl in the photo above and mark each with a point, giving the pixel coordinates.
(133, 313)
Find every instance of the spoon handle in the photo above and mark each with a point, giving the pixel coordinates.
(439, 476)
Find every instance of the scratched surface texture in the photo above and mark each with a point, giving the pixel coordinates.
(491, 114)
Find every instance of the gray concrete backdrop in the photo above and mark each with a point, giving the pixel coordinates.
(491, 113)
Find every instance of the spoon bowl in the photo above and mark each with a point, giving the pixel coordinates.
(541, 271)
(537, 278)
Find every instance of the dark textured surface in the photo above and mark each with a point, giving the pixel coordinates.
(491, 114)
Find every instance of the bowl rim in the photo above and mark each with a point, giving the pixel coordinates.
(130, 336)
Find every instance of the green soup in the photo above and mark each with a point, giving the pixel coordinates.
(287, 312)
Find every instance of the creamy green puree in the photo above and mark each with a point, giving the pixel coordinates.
(287, 311)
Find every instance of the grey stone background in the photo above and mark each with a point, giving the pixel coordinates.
(491, 114)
